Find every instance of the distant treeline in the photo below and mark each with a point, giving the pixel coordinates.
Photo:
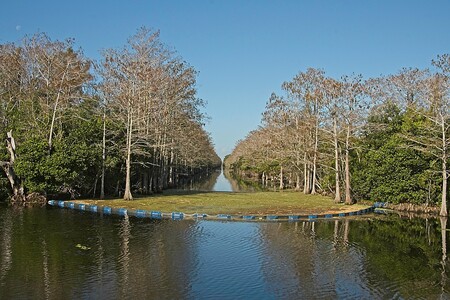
(383, 139)
(131, 122)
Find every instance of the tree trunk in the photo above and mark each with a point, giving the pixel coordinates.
(55, 109)
(95, 186)
(281, 178)
(297, 184)
(337, 197)
(306, 175)
(145, 182)
(102, 185)
(18, 196)
(52, 125)
(348, 197)
(444, 211)
(127, 194)
(316, 146)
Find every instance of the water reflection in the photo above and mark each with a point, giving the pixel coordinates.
(223, 184)
(388, 257)
(444, 255)
(221, 181)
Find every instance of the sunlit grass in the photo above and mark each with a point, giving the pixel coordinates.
(257, 203)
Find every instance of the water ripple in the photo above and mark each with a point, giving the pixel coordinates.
(122, 258)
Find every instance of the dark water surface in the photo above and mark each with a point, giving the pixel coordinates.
(55, 253)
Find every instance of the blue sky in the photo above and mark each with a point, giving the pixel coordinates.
(244, 50)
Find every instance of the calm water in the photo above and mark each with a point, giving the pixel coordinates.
(54, 253)
(222, 184)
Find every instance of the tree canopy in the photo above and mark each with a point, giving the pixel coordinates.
(380, 139)
(132, 119)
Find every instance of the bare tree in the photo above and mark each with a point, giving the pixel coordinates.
(333, 93)
(353, 114)
(306, 94)
(59, 72)
(440, 117)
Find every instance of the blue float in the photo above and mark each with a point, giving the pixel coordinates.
(294, 218)
(122, 211)
(51, 202)
(312, 217)
(272, 217)
(71, 205)
(156, 215)
(177, 216)
(223, 216)
(328, 216)
(248, 217)
(94, 208)
(199, 216)
(61, 203)
(82, 207)
(341, 214)
(107, 210)
(140, 213)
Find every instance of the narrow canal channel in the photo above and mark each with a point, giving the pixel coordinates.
(54, 253)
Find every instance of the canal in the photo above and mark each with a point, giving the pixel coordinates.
(52, 253)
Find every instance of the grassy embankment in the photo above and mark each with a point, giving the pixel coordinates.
(258, 203)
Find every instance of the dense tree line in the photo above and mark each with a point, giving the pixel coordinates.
(130, 122)
(383, 139)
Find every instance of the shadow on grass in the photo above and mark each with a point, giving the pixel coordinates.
(180, 192)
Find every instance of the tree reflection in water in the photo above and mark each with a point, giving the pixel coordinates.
(368, 257)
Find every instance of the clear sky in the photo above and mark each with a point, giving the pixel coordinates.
(244, 50)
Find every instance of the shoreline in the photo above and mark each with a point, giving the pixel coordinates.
(158, 215)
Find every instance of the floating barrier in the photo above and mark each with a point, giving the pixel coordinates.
(156, 215)
(181, 216)
(177, 216)
(122, 211)
(140, 213)
(223, 216)
(199, 216)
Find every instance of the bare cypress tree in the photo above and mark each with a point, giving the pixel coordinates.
(149, 92)
(354, 110)
(306, 93)
(58, 72)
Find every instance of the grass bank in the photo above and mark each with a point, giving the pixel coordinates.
(257, 203)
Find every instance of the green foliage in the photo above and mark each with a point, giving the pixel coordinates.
(55, 109)
(71, 166)
(388, 170)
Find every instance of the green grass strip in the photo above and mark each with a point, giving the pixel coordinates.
(256, 203)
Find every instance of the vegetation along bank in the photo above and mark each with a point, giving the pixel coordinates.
(131, 123)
